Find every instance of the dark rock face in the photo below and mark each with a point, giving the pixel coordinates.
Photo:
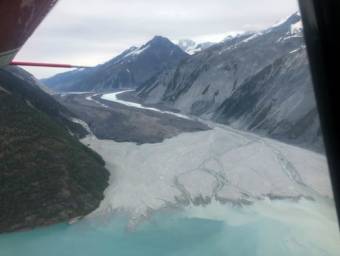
(258, 82)
(46, 174)
(286, 110)
(22, 84)
(128, 70)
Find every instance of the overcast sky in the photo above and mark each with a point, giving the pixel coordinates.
(89, 32)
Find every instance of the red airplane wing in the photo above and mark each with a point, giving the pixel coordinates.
(18, 20)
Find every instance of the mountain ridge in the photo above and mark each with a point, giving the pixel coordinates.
(206, 84)
(129, 69)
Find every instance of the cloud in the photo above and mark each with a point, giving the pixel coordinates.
(90, 32)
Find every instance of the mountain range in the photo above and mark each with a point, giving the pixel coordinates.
(128, 70)
(259, 82)
(254, 81)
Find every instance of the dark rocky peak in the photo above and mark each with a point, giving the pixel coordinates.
(286, 24)
(159, 40)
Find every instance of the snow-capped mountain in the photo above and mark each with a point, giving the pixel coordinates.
(258, 82)
(191, 47)
(128, 70)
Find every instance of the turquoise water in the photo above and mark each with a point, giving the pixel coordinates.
(264, 229)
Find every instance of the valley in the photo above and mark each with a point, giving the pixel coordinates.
(198, 167)
(123, 123)
(187, 149)
(194, 193)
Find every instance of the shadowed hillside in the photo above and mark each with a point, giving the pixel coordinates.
(46, 174)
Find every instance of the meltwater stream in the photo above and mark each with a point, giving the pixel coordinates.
(266, 228)
(114, 97)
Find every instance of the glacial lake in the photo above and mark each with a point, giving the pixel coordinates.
(265, 228)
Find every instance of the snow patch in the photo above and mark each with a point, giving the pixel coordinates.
(191, 47)
(282, 21)
(83, 124)
(296, 28)
(295, 50)
(252, 37)
(235, 34)
(137, 51)
(4, 90)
